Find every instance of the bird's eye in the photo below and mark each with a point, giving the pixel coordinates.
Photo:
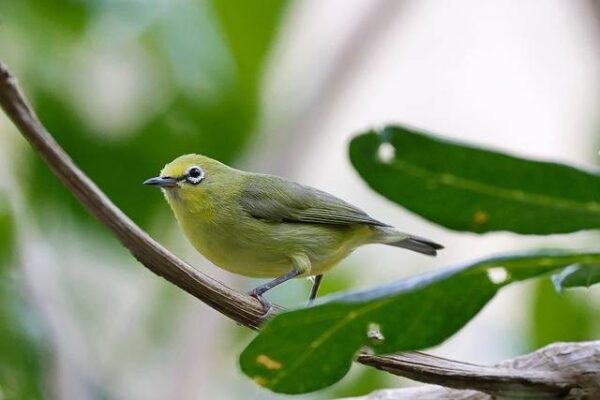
(194, 175)
(194, 172)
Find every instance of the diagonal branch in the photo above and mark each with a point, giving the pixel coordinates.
(239, 307)
(518, 376)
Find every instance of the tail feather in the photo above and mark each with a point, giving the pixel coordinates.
(414, 244)
(410, 242)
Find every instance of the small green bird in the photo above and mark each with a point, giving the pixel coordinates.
(264, 226)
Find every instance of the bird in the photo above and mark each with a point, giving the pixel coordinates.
(264, 226)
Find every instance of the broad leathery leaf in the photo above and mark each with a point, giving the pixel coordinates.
(576, 276)
(471, 189)
(308, 349)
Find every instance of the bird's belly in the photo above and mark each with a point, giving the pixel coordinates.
(266, 249)
(244, 258)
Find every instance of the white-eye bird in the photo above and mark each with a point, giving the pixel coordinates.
(264, 226)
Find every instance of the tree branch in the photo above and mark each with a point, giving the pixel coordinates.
(558, 369)
(239, 307)
(552, 371)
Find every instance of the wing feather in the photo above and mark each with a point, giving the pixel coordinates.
(275, 199)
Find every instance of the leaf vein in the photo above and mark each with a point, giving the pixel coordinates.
(515, 195)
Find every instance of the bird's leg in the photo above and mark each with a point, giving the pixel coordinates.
(315, 288)
(300, 265)
(258, 291)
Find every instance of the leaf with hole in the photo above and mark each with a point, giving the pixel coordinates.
(471, 189)
(308, 349)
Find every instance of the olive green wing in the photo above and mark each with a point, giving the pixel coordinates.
(275, 199)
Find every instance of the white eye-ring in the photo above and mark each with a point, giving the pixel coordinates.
(194, 175)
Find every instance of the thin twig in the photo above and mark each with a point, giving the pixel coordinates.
(545, 380)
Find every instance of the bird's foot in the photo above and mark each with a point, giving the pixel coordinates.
(266, 304)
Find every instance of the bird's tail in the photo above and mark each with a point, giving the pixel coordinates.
(392, 237)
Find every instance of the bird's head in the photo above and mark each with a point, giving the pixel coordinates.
(188, 173)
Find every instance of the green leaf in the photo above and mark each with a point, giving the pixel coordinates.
(471, 189)
(576, 276)
(311, 348)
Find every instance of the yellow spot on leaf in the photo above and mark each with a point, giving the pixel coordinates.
(268, 362)
(260, 380)
(480, 218)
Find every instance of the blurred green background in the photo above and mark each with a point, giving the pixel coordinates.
(275, 86)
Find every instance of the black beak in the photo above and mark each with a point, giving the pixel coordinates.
(162, 181)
